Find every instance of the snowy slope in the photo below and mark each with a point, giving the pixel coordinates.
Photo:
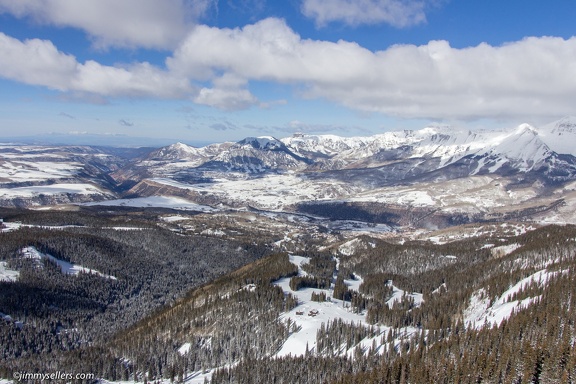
(53, 189)
(155, 201)
(480, 312)
(29, 174)
(310, 316)
(522, 149)
(65, 267)
(273, 192)
(7, 274)
(560, 135)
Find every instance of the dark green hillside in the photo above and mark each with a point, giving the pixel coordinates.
(177, 308)
(152, 267)
(220, 321)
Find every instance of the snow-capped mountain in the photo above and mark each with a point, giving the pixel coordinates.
(522, 149)
(435, 168)
(180, 152)
(250, 155)
(177, 151)
(482, 175)
(257, 155)
(560, 135)
(263, 142)
(385, 159)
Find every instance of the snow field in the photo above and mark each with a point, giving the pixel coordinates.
(7, 274)
(18, 170)
(310, 315)
(65, 267)
(480, 313)
(53, 189)
(272, 192)
(156, 201)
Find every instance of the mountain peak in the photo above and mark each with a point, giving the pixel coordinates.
(262, 142)
(560, 135)
(526, 128)
(176, 151)
(178, 145)
(567, 123)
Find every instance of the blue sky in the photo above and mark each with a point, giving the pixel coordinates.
(201, 71)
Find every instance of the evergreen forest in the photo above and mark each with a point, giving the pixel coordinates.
(169, 305)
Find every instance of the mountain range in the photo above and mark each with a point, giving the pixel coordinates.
(524, 172)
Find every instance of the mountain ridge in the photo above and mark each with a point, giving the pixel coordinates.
(336, 152)
(431, 166)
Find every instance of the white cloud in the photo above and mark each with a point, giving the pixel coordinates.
(158, 24)
(38, 62)
(398, 13)
(137, 80)
(35, 62)
(229, 93)
(530, 77)
(534, 77)
(227, 99)
(265, 48)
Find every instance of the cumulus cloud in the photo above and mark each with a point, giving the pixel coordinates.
(137, 80)
(398, 13)
(229, 93)
(531, 77)
(226, 99)
(35, 62)
(158, 24)
(38, 62)
(528, 77)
